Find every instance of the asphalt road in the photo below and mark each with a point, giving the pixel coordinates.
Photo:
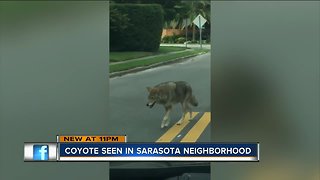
(128, 98)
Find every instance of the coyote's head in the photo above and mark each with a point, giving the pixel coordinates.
(153, 96)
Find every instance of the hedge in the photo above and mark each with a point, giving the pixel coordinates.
(135, 27)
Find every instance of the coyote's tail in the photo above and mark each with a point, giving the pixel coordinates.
(193, 101)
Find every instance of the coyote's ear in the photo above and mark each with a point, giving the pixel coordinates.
(149, 89)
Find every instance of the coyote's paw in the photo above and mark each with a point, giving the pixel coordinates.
(179, 122)
(165, 122)
(190, 116)
(162, 125)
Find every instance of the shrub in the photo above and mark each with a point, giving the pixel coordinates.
(173, 39)
(135, 27)
(167, 39)
(181, 40)
(194, 41)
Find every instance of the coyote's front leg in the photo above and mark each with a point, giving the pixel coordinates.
(166, 118)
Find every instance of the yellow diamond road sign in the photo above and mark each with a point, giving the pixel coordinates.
(199, 21)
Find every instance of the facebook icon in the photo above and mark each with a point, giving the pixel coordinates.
(40, 152)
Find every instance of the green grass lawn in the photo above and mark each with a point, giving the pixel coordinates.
(154, 59)
(128, 55)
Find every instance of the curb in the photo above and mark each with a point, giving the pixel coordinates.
(137, 69)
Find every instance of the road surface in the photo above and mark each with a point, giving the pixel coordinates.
(130, 115)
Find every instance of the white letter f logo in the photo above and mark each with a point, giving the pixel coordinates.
(43, 151)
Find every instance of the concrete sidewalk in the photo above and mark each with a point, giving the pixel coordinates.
(205, 46)
(147, 57)
(142, 68)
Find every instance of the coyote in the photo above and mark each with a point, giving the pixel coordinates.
(170, 93)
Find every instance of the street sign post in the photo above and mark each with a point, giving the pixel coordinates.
(199, 21)
(186, 34)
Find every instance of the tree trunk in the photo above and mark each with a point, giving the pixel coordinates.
(193, 32)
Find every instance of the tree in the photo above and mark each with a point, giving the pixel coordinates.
(175, 11)
(167, 5)
(192, 8)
